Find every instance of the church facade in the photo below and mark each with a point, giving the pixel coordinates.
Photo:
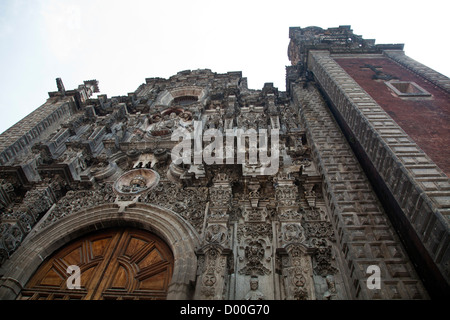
(197, 187)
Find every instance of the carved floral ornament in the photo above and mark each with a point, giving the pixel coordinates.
(255, 230)
(187, 202)
(220, 196)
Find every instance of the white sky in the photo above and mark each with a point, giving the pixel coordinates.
(120, 43)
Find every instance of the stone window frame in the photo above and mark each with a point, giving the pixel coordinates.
(185, 100)
(417, 91)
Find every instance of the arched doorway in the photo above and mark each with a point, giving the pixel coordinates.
(119, 263)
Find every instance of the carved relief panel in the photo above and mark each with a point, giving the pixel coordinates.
(297, 273)
(215, 263)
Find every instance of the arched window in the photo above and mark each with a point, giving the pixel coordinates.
(185, 100)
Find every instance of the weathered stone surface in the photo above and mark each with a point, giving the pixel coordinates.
(240, 227)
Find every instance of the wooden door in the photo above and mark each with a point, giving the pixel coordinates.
(114, 264)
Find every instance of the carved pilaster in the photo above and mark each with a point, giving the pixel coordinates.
(286, 193)
(212, 274)
(296, 271)
(215, 258)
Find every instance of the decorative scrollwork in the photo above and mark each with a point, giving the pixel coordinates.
(254, 255)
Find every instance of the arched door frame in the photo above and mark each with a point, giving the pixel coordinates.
(172, 228)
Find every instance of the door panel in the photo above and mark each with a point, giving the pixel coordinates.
(114, 264)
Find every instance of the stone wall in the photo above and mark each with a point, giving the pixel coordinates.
(364, 234)
(347, 178)
(40, 123)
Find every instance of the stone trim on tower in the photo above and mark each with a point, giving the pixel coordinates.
(431, 75)
(389, 150)
(364, 234)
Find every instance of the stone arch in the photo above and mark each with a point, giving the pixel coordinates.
(166, 97)
(173, 229)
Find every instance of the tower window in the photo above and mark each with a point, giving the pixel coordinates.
(407, 89)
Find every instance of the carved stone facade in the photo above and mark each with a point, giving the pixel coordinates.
(299, 221)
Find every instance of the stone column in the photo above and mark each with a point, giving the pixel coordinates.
(297, 271)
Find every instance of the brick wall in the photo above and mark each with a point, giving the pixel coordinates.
(425, 119)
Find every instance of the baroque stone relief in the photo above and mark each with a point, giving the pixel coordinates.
(216, 234)
(136, 181)
(255, 258)
(188, 202)
(213, 268)
(296, 270)
(75, 201)
(18, 218)
(243, 219)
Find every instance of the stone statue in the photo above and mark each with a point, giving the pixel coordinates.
(331, 292)
(254, 293)
(215, 234)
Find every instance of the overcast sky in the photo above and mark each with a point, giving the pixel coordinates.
(120, 43)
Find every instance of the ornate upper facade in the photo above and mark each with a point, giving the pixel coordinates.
(311, 227)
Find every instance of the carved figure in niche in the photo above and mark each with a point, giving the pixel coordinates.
(215, 121)
(254, 293)
(137, 184)
(216, 234)
(186, 117)
(172, 120)
(229, 112)
(254, 254)
(293, 233)
(331, 292)
(209, 280)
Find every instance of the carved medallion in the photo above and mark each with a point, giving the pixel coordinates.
(135, 182)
